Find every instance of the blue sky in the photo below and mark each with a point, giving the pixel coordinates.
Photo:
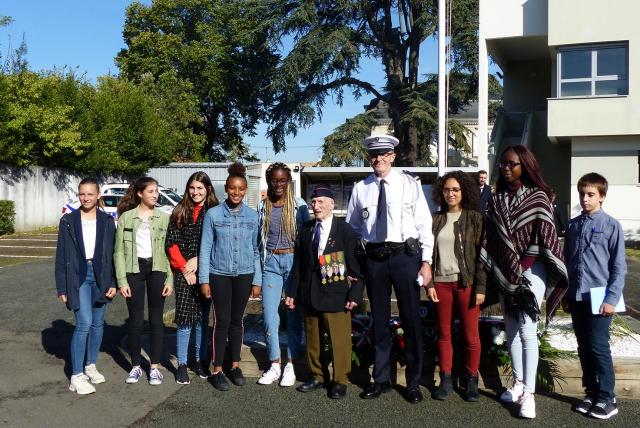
(87, 35)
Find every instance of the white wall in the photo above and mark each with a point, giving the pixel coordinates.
(513, 18)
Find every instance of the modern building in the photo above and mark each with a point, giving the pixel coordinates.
(571, 93)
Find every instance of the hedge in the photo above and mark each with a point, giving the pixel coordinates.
(7, 217)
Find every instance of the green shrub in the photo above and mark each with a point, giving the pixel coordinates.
(7, 217)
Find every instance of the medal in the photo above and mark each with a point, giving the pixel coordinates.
(327, 259)
(341, 266)
(323, 269)
(336, 269)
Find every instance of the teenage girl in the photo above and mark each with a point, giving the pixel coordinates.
(228, 266)
(142, 268)
(84, 281)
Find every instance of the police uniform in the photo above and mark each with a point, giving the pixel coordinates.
(393, 260)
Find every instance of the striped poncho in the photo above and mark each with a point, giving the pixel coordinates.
(520, 225)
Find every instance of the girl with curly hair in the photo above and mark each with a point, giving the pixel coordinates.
(460, 279)
(281, 216)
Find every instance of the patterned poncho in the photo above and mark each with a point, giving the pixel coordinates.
(520, 225)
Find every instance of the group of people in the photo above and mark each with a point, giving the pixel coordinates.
(215, 255)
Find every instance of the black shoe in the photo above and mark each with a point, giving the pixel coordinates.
(445, 388)
(236, 376)
(586, 404)
(312, 385)
(375, 390)
(201, 369)
(604, 409)
(414, 395)
(219, 382)
(338, 391)
(182, 377)
(471, 392)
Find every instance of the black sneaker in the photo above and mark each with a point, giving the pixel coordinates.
(201, 370)
(236, 376)
(219, 382)
(604, 409)
(182, 377)
(585, 405)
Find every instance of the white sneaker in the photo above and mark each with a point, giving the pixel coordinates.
(513, 394)
(94, 375)
(270, 375)
(527, 406)
(288, 376)
(80, 384)
(155, 377)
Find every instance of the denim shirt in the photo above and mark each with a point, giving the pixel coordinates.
(595, 256)
(229, 244)
(302, 216)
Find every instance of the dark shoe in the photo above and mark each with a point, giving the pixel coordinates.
(338, 391)
(219, 382)
(445, 388)
(375, 390)
(235, 375)
(471, 391)
(414, 395)
(182, 377)
(586, 404)
(202, 369)
(309, 386)
(604, 409)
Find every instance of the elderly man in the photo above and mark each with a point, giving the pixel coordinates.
(389, 211)
(326, 281)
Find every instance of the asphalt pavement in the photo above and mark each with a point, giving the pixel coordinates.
(35, 333)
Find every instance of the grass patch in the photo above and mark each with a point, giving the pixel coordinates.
(40, 231)
(633, 253)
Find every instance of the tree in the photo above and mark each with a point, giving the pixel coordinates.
(344, 146)
(215, 46)
(331, 37)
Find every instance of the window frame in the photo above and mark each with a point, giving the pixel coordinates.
(593, 49)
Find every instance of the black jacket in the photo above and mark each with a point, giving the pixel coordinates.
(306, 281)
(71, 265)
(485, 195)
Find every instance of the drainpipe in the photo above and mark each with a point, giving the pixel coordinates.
(442, 138)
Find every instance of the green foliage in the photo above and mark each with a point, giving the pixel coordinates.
(219, 49)
(7, 217)
(344, 146)
(549, 373)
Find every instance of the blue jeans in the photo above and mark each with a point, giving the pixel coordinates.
(87, 335)
(201, 330)
(277, 269)
(522, 333)
(592, 333)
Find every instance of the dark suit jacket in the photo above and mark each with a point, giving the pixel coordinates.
(485, 195)
(71, 264)
(306, 281)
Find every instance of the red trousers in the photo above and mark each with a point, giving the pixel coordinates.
(453, 295)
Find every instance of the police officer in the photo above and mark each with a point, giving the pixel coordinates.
(390, 213)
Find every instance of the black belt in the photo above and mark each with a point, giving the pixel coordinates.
(145, 260)
(89, 261)
(382, 251)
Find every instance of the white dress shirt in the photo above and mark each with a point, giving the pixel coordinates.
(408, 214)
(325, 229)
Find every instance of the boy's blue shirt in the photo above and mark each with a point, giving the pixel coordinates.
(595, 256)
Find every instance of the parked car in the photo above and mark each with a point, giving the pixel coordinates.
(110, 205)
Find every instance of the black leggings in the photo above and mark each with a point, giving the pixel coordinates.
(152, 282)
(230, 295)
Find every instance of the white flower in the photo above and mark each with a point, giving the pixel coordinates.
(500, 338)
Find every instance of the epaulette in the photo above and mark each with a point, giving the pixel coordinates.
(411, 174)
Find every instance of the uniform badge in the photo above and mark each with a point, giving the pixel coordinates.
(329, 268)
(365, 213)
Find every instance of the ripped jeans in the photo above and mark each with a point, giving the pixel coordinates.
(275, 277)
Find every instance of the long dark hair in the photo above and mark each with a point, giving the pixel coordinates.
(531, 174)
(185, 207)
(468, 187)
(130, 200)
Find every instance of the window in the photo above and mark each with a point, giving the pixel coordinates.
(592, 71)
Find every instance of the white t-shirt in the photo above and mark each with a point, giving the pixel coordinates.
(143, 240)
(89, 237)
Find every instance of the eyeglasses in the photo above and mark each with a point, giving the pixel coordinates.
(282, 181)
(381, 155)
(447, 190)
(508, 164)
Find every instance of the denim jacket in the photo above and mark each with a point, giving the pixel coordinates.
(595, 257)
(302, 216)
(229, 244)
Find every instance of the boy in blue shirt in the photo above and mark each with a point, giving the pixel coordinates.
(595, 257)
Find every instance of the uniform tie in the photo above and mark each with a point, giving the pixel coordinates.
(316, 239)
(381, 219)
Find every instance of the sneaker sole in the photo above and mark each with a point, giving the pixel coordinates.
(266, 382)
(131, 382)
(607, 416)
(97, 382)
(183, 383)
(73, 389)
(581, 410)
(287, 384)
